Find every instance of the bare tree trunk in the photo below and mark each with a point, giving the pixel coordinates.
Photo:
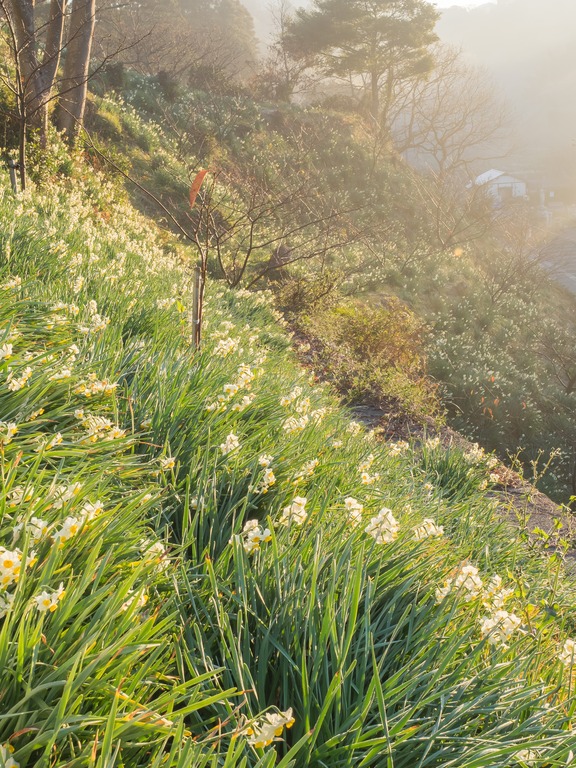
(22, 18)
(72, 102)
(51, 59)
(37, 78)
(375, 96)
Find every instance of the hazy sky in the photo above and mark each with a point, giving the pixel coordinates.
(468, 3)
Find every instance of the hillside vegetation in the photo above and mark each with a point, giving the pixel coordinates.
(206, 563)
(206, 560)
(481, 316)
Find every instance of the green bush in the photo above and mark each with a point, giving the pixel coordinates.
(373, 353)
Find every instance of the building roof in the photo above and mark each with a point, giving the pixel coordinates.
(488, 176)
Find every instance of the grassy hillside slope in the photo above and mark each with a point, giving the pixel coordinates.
(496, 330)
(205, 563)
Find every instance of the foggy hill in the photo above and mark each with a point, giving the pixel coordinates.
(262, 13)
(529, 48)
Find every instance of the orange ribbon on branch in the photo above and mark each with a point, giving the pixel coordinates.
(195, 188)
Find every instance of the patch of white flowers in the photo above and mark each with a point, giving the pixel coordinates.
(568, 653)
(427, 529)
(295, 512)
(269, 729)
(47, 601)
(292, 424)
(353, 511)
(6, 759)
(466, 582)
(253, 535)
(307, 470)
(499, 626)
(231, 443)
(384, 527)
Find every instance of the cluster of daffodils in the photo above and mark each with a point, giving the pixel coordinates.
(12, 284)
(495, 595)
(6, 759)
(253, 535)
(35, 414)
(166, 303)
(268, 478)
(244, 403)
(62, 494)
(499, 625)
(96, 321)
(279, 317)
(61, 306)
(398, 448)
(78, 284)
(292, 425)
(318, 414)
(246, 376)
(93, 386)
(307, 470)
(16, 383)
(98, 427)
(75, 523)
(269, 729)
(301, 404)
(267, 481)
(11, 565)
(466, 582)
(295, 512)
(47, 445)
(227, 346)
(263, 298)
(7, 432)
(35, 529)
(353, 511)
(61, 375)
(476, 455)
(231, 443)
(427, 529)
(303, 415)
(384, 527)
(18, 495)
(364, 469)
(47, 600)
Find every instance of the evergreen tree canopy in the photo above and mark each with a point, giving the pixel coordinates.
(383, 41)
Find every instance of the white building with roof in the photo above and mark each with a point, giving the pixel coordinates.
(501, 186)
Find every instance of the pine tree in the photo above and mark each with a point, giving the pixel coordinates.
(381, 41)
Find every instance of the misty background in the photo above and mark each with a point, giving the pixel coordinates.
(528, 48)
